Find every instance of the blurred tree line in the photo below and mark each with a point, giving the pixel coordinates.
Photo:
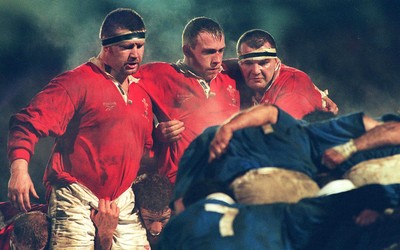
(348, 47)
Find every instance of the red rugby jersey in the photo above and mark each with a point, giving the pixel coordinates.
(178, 94)
(100, 138)
(294, 92)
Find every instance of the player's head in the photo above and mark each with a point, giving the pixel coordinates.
(121, 24)
(258, 59)
(203, 45)
(255, 39)
(152, 194)
(318, 115)
(122, 37)
(31, 231)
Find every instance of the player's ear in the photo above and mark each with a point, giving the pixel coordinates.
(187, 51)
(278, 64)
(179, 207)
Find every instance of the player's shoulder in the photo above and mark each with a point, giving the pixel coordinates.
(296, 75)
(155, 66)
(285, 69)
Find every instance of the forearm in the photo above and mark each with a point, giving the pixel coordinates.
(20, 185)
(19, 165)
(386, 134)
(103, 241)
(21, 141)
(383, 135)
(256, 116)
(105, 218)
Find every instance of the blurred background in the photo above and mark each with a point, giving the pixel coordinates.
(350, 48)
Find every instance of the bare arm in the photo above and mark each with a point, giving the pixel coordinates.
(330, 105)
(382, 135)
(256, 116)
(106, 220)
(377, 135)
(20, 185)
(327, 103)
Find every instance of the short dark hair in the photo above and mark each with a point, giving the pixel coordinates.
(318, 115)
(201, 190)
(255, 39)
(32, 229)
(121, 18)
(152, 192)
(197, 25)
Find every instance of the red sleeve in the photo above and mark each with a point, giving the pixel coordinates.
(149, 134)
(7, 210)
(5, 236)
(47, 114)
(150, 81)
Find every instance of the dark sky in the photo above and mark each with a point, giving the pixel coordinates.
(348, 47)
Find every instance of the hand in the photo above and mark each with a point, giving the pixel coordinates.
(338, 154)
(330, 105)
(20, 186)
(105, 220)
(220, 142)
(366, 217)
(106, 217)
(170, 131)
(331, 158)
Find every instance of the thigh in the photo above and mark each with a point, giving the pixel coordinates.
(130, 233)
(69, 211)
